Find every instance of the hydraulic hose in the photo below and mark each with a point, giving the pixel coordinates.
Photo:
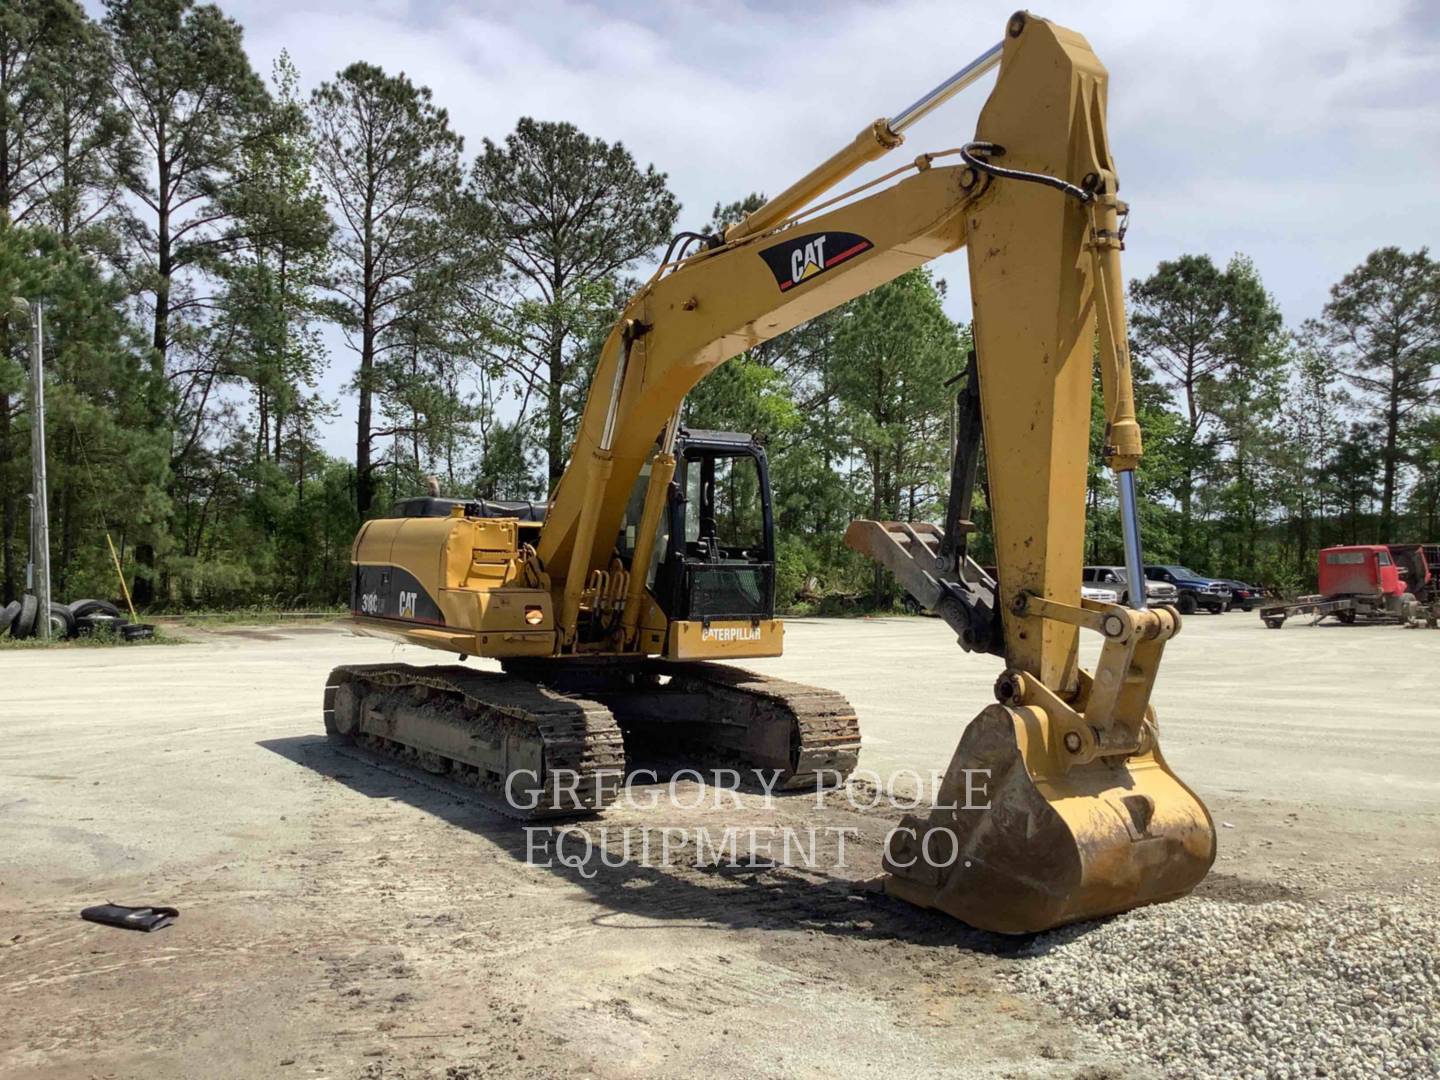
(977, 155)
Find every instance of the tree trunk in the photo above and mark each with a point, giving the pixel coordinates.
(262, 433)
(555, 433)
(284, 342)
(364, 474)
(1392, 438)
(163, 254)
(9, 579)
(364, 477)
(142, 588)
(1186, 499)
(1187, 495)
(302, 566)
(414, 412)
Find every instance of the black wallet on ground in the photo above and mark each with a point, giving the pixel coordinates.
(131, 918)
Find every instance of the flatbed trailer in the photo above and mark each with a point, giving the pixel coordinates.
(1347, 609)
(1373, 583)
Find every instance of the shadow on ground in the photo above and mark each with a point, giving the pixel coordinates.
(765, 898)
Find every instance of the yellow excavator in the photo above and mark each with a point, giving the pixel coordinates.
(610, 606)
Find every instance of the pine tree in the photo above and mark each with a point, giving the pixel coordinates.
(1383, 323)
(91, 155)
(187, 90)
(1246, 398)
(107, 463)
(1309, 422)
(895, 349)
(276, 262)
(186, 85)
(33, 36)
(570, 215)
(390, 165)
(1194, 322)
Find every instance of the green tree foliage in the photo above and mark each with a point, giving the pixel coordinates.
(895, 348)
(64, 142)
(1352, 474)
(277, 263)
(92, 157)
(427, 407)
(184, 83)
(1423, 454)
(183, 80)
(390, 164)
(1310, 428)
(570, 215)
(107, 463)
(33, 35)
(1210, 332)
(1383, 325)
(854, 412)
(268, 267)
(199, 241)
(60, 149)
(1246, 398)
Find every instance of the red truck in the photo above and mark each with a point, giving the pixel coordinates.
(1373, 583)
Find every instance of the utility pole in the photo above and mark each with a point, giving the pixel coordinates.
(39, 569)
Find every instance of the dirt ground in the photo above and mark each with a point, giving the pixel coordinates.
(345, 920)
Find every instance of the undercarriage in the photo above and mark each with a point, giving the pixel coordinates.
(555, 738)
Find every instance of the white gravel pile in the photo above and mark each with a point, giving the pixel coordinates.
(1206, 989)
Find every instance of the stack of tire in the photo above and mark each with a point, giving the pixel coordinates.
(21, 619)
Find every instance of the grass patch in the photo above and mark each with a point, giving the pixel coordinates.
(101, 639)
(250, 617)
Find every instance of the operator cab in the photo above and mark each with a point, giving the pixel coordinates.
(715, 552)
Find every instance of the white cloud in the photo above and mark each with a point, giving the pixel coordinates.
(1302, 134)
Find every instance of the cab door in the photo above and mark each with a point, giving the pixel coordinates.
(721, 559)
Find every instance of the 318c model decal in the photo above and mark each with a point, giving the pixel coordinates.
(801, 258)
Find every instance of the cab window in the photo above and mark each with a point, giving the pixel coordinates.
(739, 512)
(724, 507)
(693, 487)
(625, 542)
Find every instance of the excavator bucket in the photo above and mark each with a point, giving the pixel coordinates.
(1018, 843)
(1027, 832)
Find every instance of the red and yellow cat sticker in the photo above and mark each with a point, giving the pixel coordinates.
(800, 258)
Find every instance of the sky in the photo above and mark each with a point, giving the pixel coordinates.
(1301, 134)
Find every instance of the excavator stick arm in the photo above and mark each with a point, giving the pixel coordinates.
(1086, 817)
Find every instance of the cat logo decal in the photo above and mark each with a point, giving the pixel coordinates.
(800, 258)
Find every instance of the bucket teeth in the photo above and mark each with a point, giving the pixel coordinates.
(1019, 843)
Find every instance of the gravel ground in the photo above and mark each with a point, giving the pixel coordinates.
(1200, 988)
(347, 921)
